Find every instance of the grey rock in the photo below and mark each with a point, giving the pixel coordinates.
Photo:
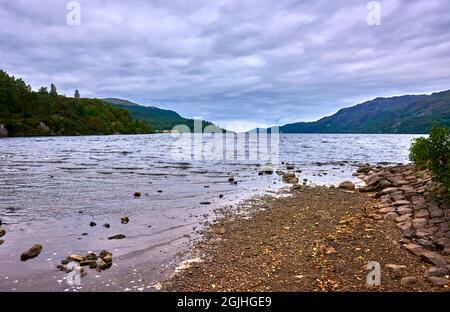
(437, 272)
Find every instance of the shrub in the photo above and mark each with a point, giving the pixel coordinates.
(433, 153)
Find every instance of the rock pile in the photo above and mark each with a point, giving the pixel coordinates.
(404, 197)
(101, 262)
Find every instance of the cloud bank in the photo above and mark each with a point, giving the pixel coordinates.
(238, 63)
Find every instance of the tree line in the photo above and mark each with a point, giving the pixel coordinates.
(24, 112)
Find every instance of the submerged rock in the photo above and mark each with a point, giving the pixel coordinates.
(118, 236)
(31, 253)
(107, 225)
(2, 232)
(266, 169)
(1, 241)
(124, 220)
(92, 223)
(137, 194)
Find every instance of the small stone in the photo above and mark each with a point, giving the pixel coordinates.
(388, 190)
(401, 203)
(405, 226)
(404, 218)
(409, 280)
(1, 241)
(75, 257)
(387, 210)
(31, 253)
(438, 281)
(205, 203)
(347, 185)
(137, 194)
(426, 243)
(104, 253)
(93, 265)
(91, 256)
(330, 251)
(404, 210)
(107, 225)
(231, 179)
(422, 213)
(395, 267)
(419, 223)
(437, 272)
(375, 216)
(2, 232)
(87, 262)
(391, 216)
(118, 236)
(84, 234)
(107, 258)
(92, 223)
(124, 220)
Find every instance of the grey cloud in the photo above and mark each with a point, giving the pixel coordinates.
(238, 63)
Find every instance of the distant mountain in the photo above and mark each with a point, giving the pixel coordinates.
(401, 114)
(24, 112)
(159, 119)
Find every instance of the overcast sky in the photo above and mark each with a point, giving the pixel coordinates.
(240, 64)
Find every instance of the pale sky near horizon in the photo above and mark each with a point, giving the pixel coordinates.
(238, 63)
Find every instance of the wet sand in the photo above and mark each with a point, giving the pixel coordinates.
(310, 239)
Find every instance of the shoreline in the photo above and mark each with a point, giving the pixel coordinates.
(315, 238)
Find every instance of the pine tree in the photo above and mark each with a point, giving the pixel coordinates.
(43, 90)
(77, 94)
(53, 91)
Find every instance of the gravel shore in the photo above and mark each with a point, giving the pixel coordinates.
(312, 239)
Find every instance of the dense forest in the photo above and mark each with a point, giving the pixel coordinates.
(160, 119)
(24, 112)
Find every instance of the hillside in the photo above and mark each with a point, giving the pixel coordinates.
(401, 114)
(159, 119)
(24, 112)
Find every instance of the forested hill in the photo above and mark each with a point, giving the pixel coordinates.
(401, 114)
(24, 112)
(160, 119)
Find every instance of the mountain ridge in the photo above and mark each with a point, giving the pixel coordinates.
(405, 114)
(159, 119)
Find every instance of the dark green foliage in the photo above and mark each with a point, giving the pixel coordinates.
(27, 113)
(402, 114)
(160, 119)
(77, 94)
(434, 153)
(53, 91)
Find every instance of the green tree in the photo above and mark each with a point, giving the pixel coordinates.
(434, 153)
(53, 91)
(43, 90)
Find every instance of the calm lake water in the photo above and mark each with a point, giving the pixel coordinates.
(52, 188)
